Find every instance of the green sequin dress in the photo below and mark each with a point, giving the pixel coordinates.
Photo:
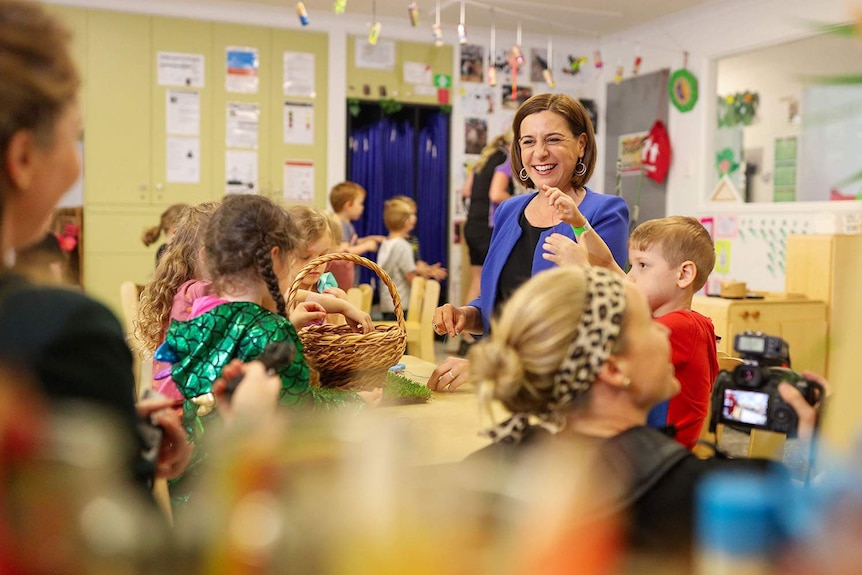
(205, 344)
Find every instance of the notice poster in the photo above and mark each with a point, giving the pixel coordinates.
(298, 74)
(629, 151)
(182, 113)
(298, 181)
(175, 69)
(243, 66)
(183, 161)
(240, 172)
(298, 123)
(242, 125)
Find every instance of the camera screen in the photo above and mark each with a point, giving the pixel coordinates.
(745, 406)
(750, 344)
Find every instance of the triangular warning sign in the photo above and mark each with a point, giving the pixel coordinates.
(725, 191)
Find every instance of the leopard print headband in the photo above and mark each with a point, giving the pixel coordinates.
(599, 329)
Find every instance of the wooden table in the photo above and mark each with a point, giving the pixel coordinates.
(446, 429)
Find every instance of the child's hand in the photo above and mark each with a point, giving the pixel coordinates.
(336, 292)
(358, 320)
(371, 398)
(563, 250)
(437, 272)
(564, 206)
(306, 313)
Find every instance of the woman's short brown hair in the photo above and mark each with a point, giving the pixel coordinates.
(576, 117)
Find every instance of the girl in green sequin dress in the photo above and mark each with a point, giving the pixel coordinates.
(249, 244)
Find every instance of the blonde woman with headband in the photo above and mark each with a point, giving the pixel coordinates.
(577, 352)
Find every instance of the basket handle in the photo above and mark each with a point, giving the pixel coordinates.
(365, 262)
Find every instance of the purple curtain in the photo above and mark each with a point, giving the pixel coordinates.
(405, 155)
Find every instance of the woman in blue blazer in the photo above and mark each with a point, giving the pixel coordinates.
(554, 149)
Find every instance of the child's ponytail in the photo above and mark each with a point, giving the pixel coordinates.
(264, 268)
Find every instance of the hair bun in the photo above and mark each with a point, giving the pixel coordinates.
(498, 365)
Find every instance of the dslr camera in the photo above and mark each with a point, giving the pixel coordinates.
(748, 396)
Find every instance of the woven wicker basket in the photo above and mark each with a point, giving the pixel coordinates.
(342, 357)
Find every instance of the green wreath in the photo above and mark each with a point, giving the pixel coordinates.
(682, 88)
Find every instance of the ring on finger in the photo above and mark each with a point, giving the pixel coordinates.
(451, 375)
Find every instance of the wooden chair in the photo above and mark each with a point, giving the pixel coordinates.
(424, 297)
(130, 299)
(367, 297)
(361, 296)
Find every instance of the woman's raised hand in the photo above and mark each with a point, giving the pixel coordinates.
(564, 206)
(449, 319)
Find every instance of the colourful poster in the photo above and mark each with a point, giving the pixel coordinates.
(243, 65)
(629, 152)
(722, 256)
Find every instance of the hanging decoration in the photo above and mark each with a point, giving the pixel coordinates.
(302, 13)
(598, 63)
(618, 75)
(374, 33)
(339, 6)
(546, 73)
(682, 88)
(436, 30)
(492, 53)
(636, 67)
(574, 66)
(516, 60)
(413, 14)
(736, 109)
(462, 30)
(656, 153)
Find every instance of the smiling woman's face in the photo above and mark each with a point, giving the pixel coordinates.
(549, 150)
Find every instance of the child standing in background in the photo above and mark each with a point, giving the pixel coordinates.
(434, 271)
(348, 203)
(249, 243)
(179, 280)
(167, 226)
(396, 255)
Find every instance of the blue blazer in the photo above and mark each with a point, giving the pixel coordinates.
(608, 215)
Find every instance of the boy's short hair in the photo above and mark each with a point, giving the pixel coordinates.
(679, 239)
(345, 192)
(396, 212)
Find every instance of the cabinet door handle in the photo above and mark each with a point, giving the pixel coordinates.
(755, 314)
(744, 314)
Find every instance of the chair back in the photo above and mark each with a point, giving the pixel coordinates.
(130, 300)
(367, 297)
(417, 294)
(430, 299)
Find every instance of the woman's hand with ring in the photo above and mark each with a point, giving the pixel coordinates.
(449, 375)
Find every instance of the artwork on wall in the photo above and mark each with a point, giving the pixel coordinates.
(477, 100)
(521, 95)
(538, 63)
(475, 135)
(592, 111)
(472, 63)
(629, 152)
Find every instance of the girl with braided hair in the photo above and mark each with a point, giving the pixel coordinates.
(249, 246)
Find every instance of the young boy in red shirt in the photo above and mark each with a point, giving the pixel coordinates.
(671, 259)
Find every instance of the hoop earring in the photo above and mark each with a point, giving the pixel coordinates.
(524, 177)
(580, 167)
